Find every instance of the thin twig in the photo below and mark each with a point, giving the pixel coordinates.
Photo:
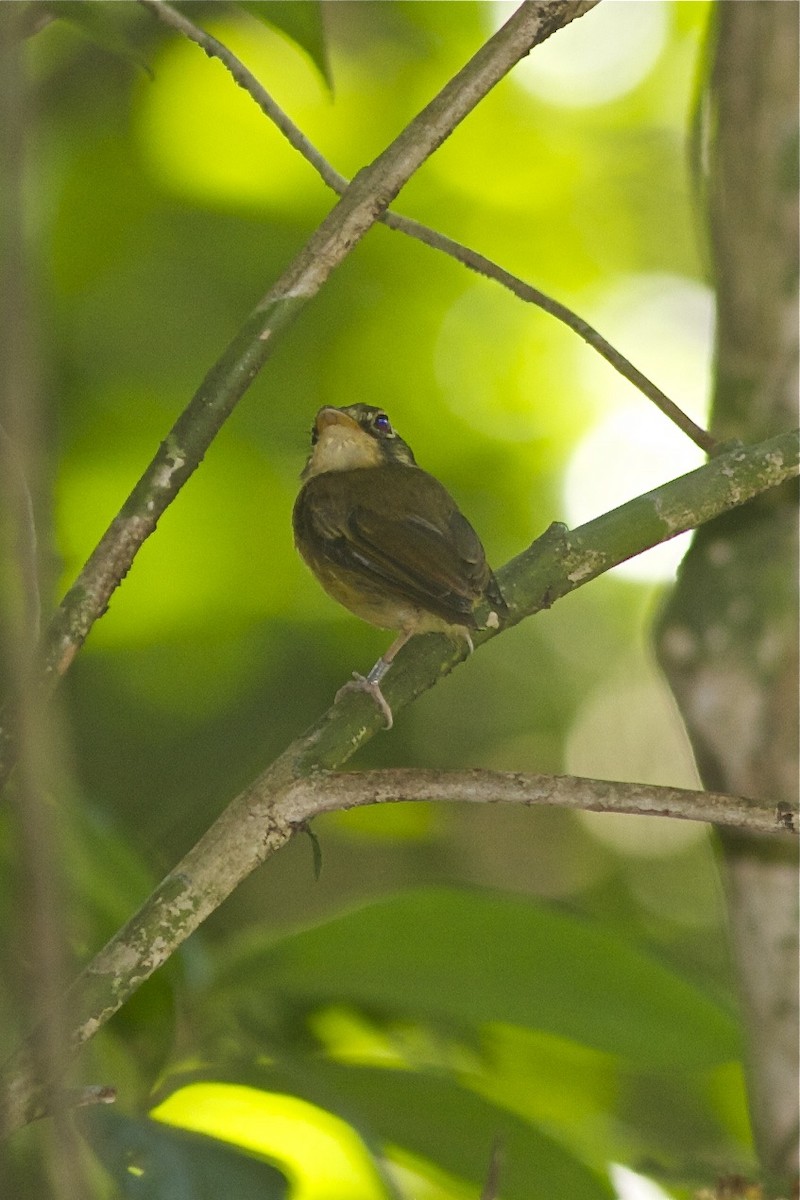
(294, 789)
(246, 80)
(430, 237)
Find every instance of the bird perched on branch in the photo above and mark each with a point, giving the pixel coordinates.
(386, 540)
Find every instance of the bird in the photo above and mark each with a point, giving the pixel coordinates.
(386, 540)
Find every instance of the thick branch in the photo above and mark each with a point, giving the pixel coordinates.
(256, 823)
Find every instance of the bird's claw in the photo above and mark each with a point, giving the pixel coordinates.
(360, 683)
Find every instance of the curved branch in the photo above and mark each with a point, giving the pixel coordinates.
(328, 792)
(266, 815)
(431, 237)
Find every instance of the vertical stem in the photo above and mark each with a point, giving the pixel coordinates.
(39, 941)
(728, 638)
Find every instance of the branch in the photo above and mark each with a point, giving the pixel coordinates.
(362, 203)
(266, 815)
(430, 237)
(328, 792)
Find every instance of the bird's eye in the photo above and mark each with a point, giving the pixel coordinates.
(314, 434)
(381, 423)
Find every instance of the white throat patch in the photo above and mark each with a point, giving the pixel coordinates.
(342, 448)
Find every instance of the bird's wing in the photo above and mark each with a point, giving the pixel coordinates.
(408, 537)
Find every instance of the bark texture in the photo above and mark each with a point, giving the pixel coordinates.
(728, 637)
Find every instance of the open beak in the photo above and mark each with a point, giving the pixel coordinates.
(333, 416)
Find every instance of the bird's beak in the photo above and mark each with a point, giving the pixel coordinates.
(333, 416)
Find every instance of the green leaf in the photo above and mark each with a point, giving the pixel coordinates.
(438, 1119)
(300, 20)
(106, 23)
(472, 957)
(152, 1161)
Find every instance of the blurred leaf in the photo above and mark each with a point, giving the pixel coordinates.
(471, 957)
(22, 19)
(152, 1161)
(300, 20)
(447, 1124)
(107, 882)
(323, 1155)
(107, 24)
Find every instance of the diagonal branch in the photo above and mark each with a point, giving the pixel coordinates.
(431, 237)
(267, 814)
(362, 203)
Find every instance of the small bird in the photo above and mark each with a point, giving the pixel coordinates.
(386, 540)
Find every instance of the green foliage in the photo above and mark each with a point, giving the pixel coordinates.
(433, 1117)
(151, 1161)
(112, 27)
(492, 1014)
(463, 959)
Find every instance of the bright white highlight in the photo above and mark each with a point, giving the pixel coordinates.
(664, 325)
(630, 1186)
(600, 57)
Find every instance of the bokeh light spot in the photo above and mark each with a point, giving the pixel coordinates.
(629, 1185)
(664, 325)
(631, 731)
(502, 371)
(598, 58)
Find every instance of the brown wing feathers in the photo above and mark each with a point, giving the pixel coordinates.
(436, 561)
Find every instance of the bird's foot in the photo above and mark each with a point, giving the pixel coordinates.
(362, 683)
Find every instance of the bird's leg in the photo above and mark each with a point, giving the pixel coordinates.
(372, 682)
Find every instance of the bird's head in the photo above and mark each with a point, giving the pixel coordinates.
(359, 435)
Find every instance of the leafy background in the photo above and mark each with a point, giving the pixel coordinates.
(557, 981)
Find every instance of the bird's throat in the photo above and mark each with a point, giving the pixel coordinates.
(342, 448)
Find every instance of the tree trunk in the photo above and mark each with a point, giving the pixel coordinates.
(728, 637)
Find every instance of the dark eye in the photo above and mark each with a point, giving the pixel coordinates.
(381, 423)
(314, 434)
